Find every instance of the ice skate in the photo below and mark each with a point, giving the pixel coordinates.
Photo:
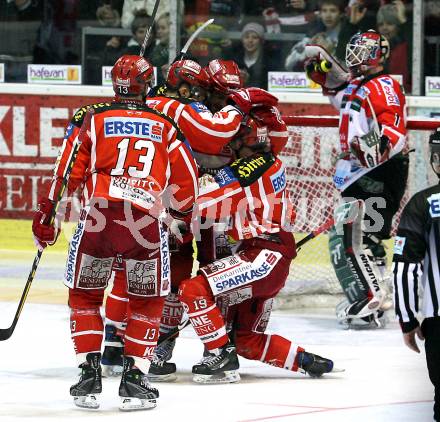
(314, 365)
(86, 390)
(111, 361)
(354, 316)
(135, 391)
(160, 369)
(218, 368)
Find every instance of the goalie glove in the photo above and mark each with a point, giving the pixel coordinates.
(246, 99)
(44, 233)
(323, 69)
(371, 149)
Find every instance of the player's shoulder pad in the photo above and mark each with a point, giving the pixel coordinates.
(248, 170)
(79, 115)
(199, 107)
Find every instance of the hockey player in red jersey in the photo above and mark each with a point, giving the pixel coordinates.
(371, 168)
(250, 198)
(130, 158)
(187, 83)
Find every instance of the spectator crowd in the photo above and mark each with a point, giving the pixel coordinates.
(260, 35)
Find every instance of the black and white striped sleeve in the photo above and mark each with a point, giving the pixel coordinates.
(409, 252)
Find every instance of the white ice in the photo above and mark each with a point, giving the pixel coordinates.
(383, 380)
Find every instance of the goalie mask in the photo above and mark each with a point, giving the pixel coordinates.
(130, 76)
(434, 146)
(365, 51)
(252, 135)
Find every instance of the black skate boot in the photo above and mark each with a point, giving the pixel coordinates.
(314, 365)
(218, 368)
(85, 391)
(135, 391)
(160, 369)
(113, 351)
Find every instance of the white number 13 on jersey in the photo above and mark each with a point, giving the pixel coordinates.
(146, 159)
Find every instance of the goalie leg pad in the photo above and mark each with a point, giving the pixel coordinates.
(354, 269)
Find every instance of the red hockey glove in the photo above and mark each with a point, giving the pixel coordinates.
(247, 98)
(44, 234)
(269, 116)
(179, 225)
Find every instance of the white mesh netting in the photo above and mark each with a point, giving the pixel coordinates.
(308, 158)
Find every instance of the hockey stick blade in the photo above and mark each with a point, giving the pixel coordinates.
(195, 35)
(5, 333)
(149, 30)
(191, 39)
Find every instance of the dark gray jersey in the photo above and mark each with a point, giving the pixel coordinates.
(416, 258)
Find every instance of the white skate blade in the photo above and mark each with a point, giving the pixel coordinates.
(128, 404)
(225, 377)
(336, 370)
(162, 378)
(90, 401)
(109, 371)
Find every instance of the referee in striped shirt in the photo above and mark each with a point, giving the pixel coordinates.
(417, 264)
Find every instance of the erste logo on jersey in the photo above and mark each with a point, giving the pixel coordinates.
(225, 177)
(434, 205)
(132, 126)
(388, 89)
(199, 107)
(278, 180)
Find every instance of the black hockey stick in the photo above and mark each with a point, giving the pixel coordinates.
(5, 333)
(149, 30)
(316, 232)
(185, 322)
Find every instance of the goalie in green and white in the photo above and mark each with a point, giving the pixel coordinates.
(371, 165)
(362, 280)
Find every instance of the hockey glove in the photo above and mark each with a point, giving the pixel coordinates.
(44, 233)
(180, 226)
(246, 99)
(371, 149)
(268, 116)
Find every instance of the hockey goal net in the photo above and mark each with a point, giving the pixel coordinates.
(309, 159)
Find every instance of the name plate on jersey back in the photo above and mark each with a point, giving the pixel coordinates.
(133, 126)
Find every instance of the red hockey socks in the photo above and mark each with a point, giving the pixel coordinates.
(205, 317)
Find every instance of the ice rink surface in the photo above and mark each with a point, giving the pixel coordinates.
(383, 380)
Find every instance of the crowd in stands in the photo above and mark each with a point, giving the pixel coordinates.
(260, 35)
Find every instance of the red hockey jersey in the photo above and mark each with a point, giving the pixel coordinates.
(251, 194)
(131, 153)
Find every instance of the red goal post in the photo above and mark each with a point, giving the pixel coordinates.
(309, 158)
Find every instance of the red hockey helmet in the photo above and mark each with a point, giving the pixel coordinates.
(251, 134)
(224, 75)
(130, 74)
(366, 50)
(187, 71)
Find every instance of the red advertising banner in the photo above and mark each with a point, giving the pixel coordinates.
(31, 132)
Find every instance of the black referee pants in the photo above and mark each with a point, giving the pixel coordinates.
(431, 332)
